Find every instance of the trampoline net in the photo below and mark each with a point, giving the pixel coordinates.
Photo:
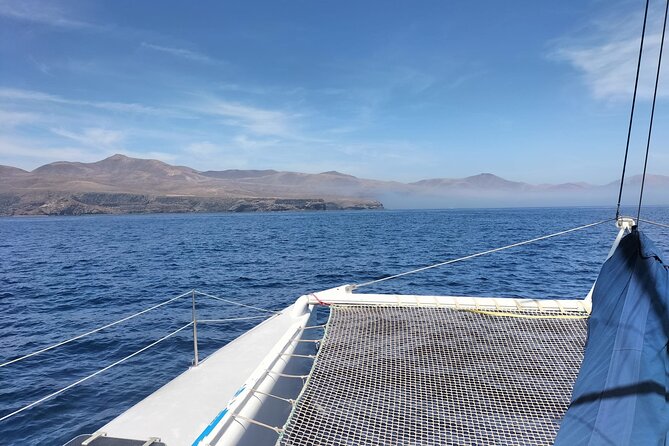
(435, 376)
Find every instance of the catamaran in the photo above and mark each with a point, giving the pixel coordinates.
(390, 369)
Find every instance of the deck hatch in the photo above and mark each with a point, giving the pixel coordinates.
(415, 375)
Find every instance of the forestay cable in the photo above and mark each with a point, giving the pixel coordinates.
(629, 129)
(76, 383)
(67, 341)
(652, 111)
(479, 254)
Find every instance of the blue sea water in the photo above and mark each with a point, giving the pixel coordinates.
(63, 276)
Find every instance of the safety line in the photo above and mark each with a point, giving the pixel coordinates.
(76, 383)
(654, 223)
(127, 318)
(471, 256)
(236, 303)
(232, 319)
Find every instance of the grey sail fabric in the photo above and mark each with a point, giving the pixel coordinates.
(620, 397)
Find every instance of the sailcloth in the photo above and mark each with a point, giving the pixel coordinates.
(621, 395)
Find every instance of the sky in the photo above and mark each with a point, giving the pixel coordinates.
(534, 91)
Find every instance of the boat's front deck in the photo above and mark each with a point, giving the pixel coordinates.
(416, 375)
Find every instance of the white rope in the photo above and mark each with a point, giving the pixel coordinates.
(236, 303)
(278, 430)
(654, 223)
(232, 319)
(127, 318)
(76, 383)
(471, 256)
(288, 400)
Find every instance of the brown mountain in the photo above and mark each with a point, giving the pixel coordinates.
(481, 181)
(120, 184)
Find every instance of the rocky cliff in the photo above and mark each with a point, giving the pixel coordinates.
(122, 185)
(59, 203)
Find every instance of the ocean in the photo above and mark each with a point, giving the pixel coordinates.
(61, 276)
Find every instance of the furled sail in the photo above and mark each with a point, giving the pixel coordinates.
(621, 395)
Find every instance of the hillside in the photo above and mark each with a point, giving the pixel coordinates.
(120, 184)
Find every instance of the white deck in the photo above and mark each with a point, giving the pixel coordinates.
(179, 411)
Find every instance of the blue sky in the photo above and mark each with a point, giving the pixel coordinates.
(534, 91)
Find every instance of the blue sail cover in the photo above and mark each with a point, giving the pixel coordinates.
(621, 395)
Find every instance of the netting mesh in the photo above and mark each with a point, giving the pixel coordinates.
(437, 376)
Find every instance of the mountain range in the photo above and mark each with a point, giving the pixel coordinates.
(121, 184)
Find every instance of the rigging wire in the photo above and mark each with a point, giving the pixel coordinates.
(86, 378)
(662, 225)
(239, 304)
(479, 254)
(67, 341)
(629, 129)
(652, 112)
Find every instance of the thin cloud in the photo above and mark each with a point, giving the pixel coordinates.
(93, 137)
(42, 67)
(606, 55)
(256, 120)
(30, 154)
(44, 13)
(11, 118)
(182, 53)
(124, 107)
(248, 143)
(202, 148)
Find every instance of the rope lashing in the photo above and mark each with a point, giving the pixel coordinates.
(325, 304)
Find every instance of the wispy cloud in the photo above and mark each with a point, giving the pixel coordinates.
(605, 55)
(31, 153)
(231, 132)
(45, 13)
(257, 120)
(202, 148)
(42, 67)
(249, 143)
(260, 121)
(93, 137)
(125, 107)
(12, 118)
(182, 53)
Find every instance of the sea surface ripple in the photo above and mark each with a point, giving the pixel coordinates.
(63, 276)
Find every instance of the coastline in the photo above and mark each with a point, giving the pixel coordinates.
(73, 204)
